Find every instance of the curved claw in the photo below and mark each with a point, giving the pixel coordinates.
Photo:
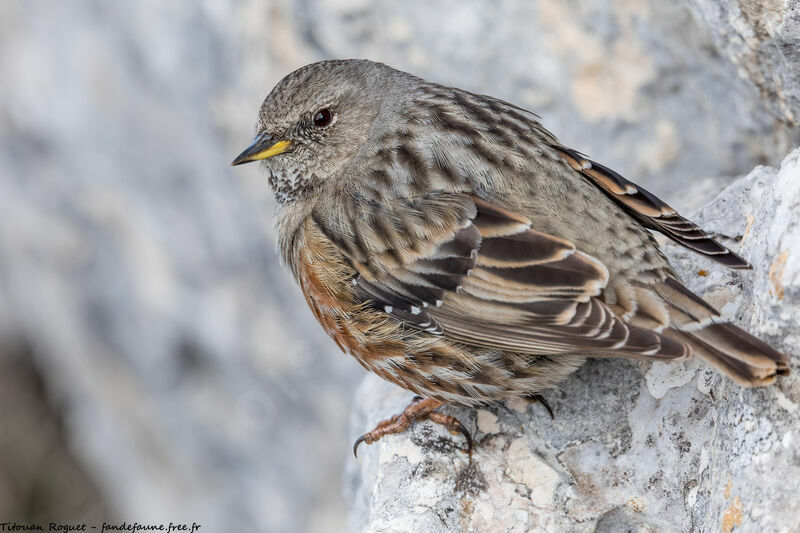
(358, 441)
(467, 436)
(454, 425)
(539, 398)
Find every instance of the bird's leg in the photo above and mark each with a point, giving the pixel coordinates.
(418, 409)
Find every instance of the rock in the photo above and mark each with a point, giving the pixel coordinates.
(762, 39)
(634, 446)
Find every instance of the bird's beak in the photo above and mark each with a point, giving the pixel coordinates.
(263, 146)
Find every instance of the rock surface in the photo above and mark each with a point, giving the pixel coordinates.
(762, 39)
(634, 446)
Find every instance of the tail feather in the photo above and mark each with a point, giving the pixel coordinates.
(744, 358)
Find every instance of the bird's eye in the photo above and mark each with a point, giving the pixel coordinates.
(322, 118)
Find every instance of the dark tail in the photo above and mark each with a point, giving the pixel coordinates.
(745, 359)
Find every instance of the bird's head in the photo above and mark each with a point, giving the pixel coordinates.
(314, 121)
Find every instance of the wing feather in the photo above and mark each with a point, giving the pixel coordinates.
(483, 277)
(650, 210)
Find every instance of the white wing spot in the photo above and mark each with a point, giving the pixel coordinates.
(415, 310)
(388, 308)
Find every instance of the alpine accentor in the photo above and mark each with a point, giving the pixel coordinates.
(454, 247)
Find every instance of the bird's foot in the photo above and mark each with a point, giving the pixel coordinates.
(418, 409)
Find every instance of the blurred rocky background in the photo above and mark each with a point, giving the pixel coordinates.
(156, 362)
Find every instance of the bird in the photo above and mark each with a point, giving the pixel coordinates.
(454, 247)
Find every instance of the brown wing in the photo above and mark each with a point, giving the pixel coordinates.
(481, 276)
(650, 210)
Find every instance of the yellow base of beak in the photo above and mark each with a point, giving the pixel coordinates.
(257, 151)
(277, 148)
